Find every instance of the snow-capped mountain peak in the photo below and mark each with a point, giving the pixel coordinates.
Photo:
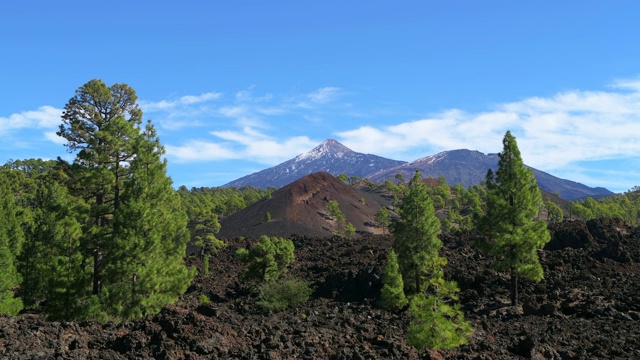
(328, 148)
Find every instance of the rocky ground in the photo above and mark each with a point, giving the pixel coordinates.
(588, 306)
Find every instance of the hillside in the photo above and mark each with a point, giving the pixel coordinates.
(300, 208)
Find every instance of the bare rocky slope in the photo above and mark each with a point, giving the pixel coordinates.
(300, 209)
(587, 306)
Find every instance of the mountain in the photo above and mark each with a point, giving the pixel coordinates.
(330, 156)
(300, 209)
(465, 167)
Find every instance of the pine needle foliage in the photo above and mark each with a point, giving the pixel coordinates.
(392, 294)
(513, 203)
(416, 236)
(437, 323)
(283, 293)
(11, 239)
(267, 259)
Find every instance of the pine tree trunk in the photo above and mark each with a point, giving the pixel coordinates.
(514, 287)
(97, 279)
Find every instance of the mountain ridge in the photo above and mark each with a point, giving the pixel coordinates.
(330, 156)
(460, 166)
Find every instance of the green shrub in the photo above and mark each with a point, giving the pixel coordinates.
(282, 294)
(204, 299)
(267, 259)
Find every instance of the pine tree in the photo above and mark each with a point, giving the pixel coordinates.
(11, 240)
(51, 263)
(144, 265)
(513, 203)
(416, 236)
(101, 124)
(267, 259)
(134, 229)
(392, 293)
(383, 219)
(437, 322)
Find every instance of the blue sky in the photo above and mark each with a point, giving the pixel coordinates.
(238, 86)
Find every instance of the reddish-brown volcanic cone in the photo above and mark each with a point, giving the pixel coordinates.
(300, 208)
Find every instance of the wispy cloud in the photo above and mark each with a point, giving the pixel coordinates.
(248, 144)
(249, 126)
(167, 105)
(45, 117)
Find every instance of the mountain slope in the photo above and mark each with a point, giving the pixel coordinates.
(468, 168)
(300, 208)
(330, 156)
(465, 167)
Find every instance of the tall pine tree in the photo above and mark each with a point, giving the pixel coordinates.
(134, 230)
(416, 236)
(100, 123)
(436, 322)
(144, 264)
(513, 202)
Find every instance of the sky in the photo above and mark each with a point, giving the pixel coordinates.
(234, 87)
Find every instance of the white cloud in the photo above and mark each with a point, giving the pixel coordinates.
(54, 138)
(321, 96)
(324, 95)
(551, 132)
(45, 117)
(167, 105)
(248, 144)
(198, 150)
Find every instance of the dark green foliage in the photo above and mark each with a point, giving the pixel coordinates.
(267, 259)
(513, 203)
(416, 236)
(436, 322)
(101, 125)
(220, 200)
(392, 294)
(204, 205)
(11, 240)
(284, 293)
(144, 264)
(52, 260)
(267, 216)
(134, 232)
